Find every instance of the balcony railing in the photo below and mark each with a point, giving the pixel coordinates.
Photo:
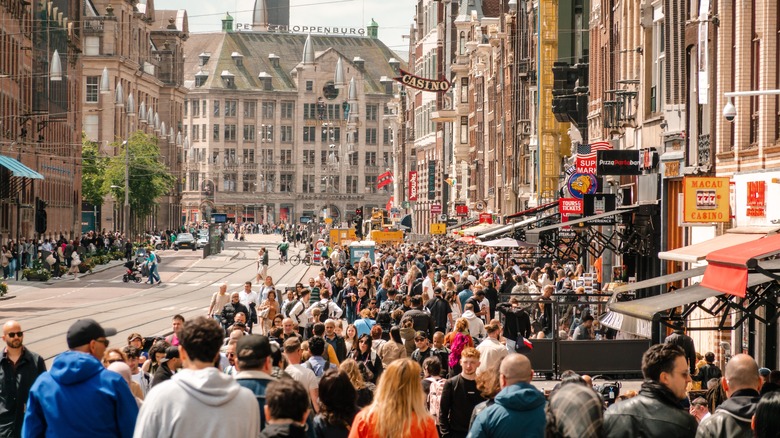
(93, 25)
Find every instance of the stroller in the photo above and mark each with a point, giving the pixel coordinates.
(132, 272)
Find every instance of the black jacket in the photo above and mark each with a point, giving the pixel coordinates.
(732, 418)
(421, 321)
(162, 374)
(707, 372)
(653, 413)
(15, 387)
(456, 406)
(686, 343)
(439, 309)
(284, 430)
(516, 321)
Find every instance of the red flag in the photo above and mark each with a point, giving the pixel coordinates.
(389, 205)
(384, 179)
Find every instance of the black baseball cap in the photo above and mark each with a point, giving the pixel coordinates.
(83, 331)
(170, 353)
(254, 347)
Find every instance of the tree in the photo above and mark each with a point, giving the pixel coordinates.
(93, 172)
(149, 178)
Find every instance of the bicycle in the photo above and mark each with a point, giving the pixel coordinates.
(298, 258)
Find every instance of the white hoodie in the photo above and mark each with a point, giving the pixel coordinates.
(476, 326)
(190, 403)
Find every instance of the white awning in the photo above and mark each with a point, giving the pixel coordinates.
(698, 252)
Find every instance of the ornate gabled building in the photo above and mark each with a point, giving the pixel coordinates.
(133, 80)
(286, 127)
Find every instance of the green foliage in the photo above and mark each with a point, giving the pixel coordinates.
(149, 176)
(93, 171)
(38, 272)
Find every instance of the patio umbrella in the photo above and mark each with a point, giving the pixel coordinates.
(506, 242)
(468, 239)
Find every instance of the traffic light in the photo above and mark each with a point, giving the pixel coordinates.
(40, 216)
(359, 223)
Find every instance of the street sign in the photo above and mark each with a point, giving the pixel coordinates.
(435, 208)
(451, 221)
(443, 217)
(479, 206)
(438, 228)
(485, 218)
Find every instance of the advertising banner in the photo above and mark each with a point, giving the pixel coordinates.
(618, 163)
(413, 185)
(706, 199)
(598, 204)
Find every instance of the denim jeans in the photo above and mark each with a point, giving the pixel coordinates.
(153, 275)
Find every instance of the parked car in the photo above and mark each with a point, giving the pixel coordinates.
(185, 240)
(155, 241)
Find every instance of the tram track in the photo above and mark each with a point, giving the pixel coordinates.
(172, 296)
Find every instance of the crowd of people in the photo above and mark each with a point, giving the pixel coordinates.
(415, 343)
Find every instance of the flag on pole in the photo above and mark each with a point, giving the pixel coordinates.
(590, 150)
(451, 181)
(389, 205)
(384, 179)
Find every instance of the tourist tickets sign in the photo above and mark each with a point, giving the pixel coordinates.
(706, 199)
(410, 80)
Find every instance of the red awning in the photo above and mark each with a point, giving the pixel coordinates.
(727, 269)
(532, 210)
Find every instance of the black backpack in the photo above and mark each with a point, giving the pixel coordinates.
(288, 307)
(324, 311)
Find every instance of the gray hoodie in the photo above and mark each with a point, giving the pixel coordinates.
(476, 326)
(199, 403)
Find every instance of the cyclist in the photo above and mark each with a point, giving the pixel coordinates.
(283, 247)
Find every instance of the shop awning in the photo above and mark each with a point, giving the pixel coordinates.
(480, 227)
(532, 236)
(484, 234)
(727, 269)
(698, 252)
(465, 223)
(534, 210)
(18, 169)
(651, 308)
(660, 281)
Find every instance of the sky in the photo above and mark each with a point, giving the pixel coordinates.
(393, 16)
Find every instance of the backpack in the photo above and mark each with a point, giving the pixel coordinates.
(323, 311)
(258, 387)
(434, 397)
(324, 367)
(288, 307)
(284, 246)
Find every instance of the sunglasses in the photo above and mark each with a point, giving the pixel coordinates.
(102, 341)
(15, 334)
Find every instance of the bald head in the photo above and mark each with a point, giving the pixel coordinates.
(516, 368)
(742, 373)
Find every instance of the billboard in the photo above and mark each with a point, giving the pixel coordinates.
(705, 199)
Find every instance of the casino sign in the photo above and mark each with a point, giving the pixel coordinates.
(423, 84)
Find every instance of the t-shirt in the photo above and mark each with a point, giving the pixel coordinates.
(305, 376)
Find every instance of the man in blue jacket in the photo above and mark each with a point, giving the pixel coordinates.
(518, 408)
(80, 397)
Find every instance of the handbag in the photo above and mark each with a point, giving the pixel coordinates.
(51, 260)
(264, 313)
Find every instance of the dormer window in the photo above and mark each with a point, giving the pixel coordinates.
(274, 60)
(204, 58)
(266, 81)
(200, 78)
(238, 59)
(359, 62)
(228, 79)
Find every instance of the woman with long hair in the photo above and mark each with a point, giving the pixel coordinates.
(350, 337)
(766, 421)
(365, 390)
(393, 349)
(458, 340)
(365, 355)
(451, 297)
(156, 354)
(267, 312)
(337, 405)
(398, 409)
